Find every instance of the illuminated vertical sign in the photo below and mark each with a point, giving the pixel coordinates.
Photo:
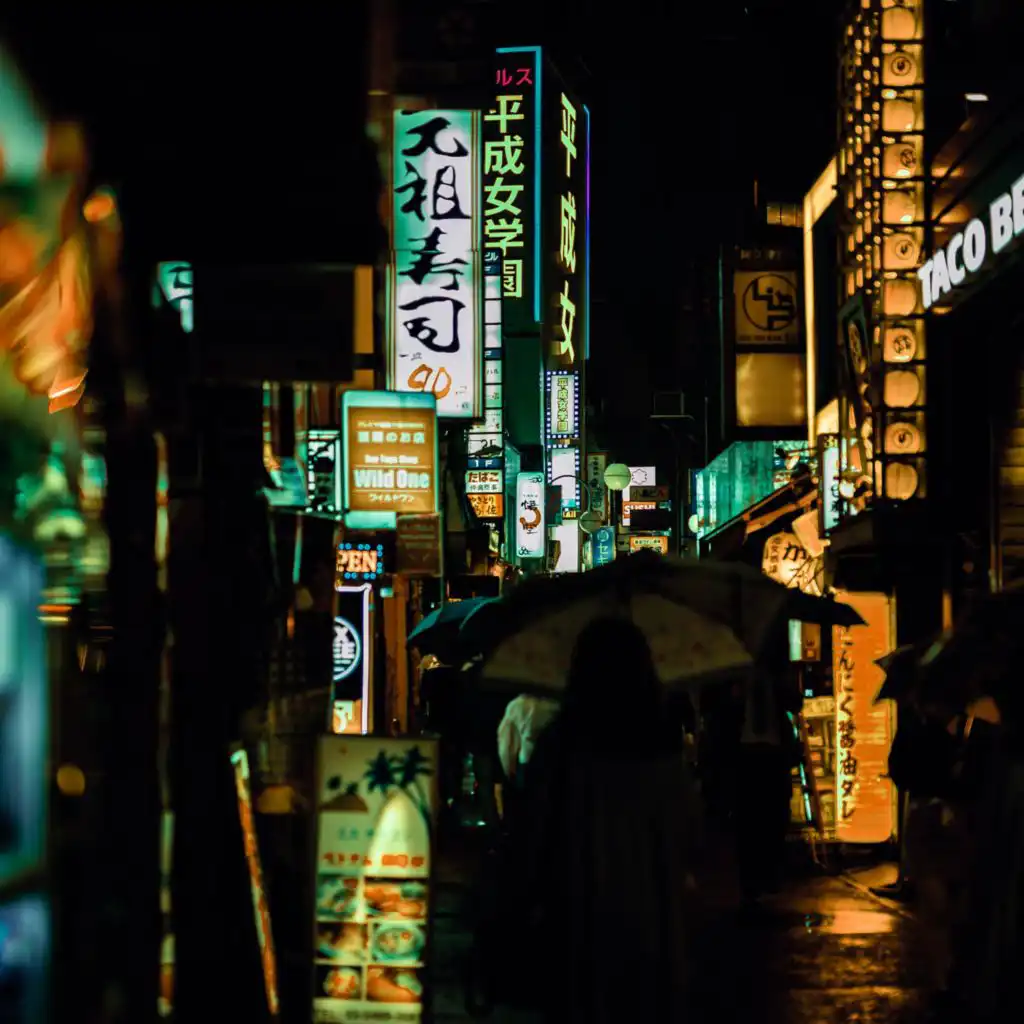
(565, 201)
(261, 911)
(486, 440)
(511, 169)
(563, 406)
(173, 285)
(531, 535)
(865, 798)
(352, 659)
(435, 339)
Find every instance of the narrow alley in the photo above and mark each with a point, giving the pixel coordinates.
(823, 952)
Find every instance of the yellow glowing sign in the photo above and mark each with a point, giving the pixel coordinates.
(865, 798)
(659, 544)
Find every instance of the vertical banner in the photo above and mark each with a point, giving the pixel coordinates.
(486, 441)
(323, 473)
(531, 535)
(352, 659)
(264, 934)
(830, 501)
(865, 797)
(435, 338)
(390, 456)
(376, 808)
(603, 546)
(597, 462)
(511, 175)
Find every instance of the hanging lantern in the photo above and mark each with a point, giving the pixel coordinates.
(899, 24)
(902, 389)
(899, 207)
(899, 297)
(899, 344)
(901, 480)
(899, 68)
(901, 251)
(900, 160)
(898, 116)
(902, 439)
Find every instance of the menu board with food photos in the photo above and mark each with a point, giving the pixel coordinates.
(376, 809)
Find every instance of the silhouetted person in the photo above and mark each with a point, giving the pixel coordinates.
(767, 753)
(525, 718)
(610, 828)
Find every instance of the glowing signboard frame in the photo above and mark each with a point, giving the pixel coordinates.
(436, 260)
(352, 401)
(531, 527)
(363, 660)
(562, 386)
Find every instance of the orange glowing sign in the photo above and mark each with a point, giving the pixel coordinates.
(641, 543)
(865, 797)
(487, 506)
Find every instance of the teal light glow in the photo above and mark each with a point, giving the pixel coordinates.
(586, 247)
(538, 92)
(383, 519)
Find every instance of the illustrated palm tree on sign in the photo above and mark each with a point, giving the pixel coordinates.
(403, 772)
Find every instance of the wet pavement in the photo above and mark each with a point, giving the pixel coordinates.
(823, 951)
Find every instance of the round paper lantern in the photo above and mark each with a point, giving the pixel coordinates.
(902, 389)
(898, 207)
(899, 344)
(899, 160)
(590, 521)
(897, 116)
(901, 250)
(617, 476)
(899, 68)
(902, 439)
(900, 481)
(899, 24)
(899, 297)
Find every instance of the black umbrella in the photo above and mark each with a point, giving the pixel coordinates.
(701, 618)
(438, 632)
(902, 668)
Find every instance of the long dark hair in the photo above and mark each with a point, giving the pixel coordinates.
(614, 698)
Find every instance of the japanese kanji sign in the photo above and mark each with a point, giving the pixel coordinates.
(435, 324)
(864, 795)
(390, 443)
(510, 177)
(566, 214)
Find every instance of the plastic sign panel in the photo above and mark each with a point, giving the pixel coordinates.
(487, 506)
(390, 444)
(173, 285)
(484, 481)
(766, 307)
(435, 340)
(531, 535)
(376, 805)
(352, 652)
(323, 471)
(603, 546)
(595, 467)
(511, 176)
(639, 476)
(641, 543)
(485, 440)
(563, 405)
(358, 561)
(261, 911)
(566, 212)
(865, 797)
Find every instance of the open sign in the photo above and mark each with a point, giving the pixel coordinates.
(359, 561)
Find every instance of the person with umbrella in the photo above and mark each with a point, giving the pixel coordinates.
(610, 827)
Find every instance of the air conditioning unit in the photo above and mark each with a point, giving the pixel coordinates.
(669, 405)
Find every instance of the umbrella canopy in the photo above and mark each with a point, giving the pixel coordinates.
(902, 671)
(438, 632)
(702, 620)
(981, 657)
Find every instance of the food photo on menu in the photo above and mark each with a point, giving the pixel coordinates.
(341, 942)
(393, 985)
(395, 900)
(337, 896)
(397, 943)
(339, 982)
